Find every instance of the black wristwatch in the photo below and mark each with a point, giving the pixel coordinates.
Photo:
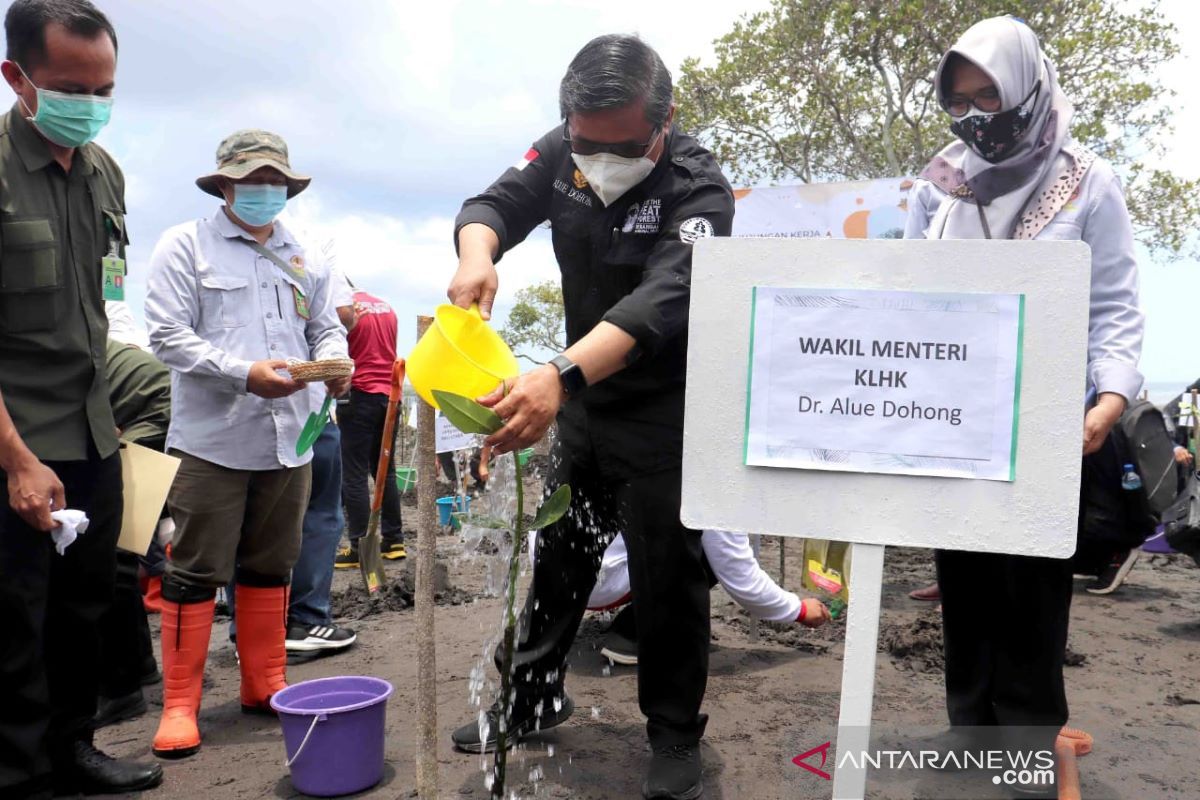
(569, 375)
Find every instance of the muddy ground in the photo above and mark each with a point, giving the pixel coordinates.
(773, 693)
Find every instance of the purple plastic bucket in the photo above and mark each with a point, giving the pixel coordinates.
(333, 730)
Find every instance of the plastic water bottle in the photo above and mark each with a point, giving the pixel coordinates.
(1130, 480)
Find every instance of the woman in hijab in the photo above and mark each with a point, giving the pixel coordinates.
(1016, 173)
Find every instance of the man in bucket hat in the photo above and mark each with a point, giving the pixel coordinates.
(230, 298)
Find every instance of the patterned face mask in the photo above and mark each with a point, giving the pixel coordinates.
(995, 136)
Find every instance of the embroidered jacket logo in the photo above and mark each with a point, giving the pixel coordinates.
(694, 229)
(579, 181)
(575, 194)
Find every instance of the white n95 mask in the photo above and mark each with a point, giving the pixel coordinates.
(611, 176)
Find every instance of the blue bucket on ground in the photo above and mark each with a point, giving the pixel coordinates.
(333, 731)
(447, 505)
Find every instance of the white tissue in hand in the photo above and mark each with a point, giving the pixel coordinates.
(71, 523)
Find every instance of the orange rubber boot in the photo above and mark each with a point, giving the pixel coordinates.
(261, 630)
(152, 597)
(186, 629)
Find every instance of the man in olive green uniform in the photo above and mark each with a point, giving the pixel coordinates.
(139, 387)
(62, 235)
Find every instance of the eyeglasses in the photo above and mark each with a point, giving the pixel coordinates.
(583, 147)
(986, 100)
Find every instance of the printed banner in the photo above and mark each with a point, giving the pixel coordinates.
(874, 209)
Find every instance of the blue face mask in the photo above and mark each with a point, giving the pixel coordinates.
(258, 204)
(69, 120)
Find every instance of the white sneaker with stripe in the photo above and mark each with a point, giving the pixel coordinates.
(306, 639)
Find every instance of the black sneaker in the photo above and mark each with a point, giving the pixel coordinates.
(620, 643)
(308, 638)
(347, 557)
(111, 710)
(524, 723)
(392, 550)
(1114, 574)
(619, 650)
(674, 773)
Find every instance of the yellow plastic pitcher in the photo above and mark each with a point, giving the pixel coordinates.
(460, 353)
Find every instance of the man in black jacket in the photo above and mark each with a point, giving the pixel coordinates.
(626, 195)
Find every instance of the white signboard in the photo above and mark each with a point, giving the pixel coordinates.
(910, 383)
(450, 438)
(1033, 514)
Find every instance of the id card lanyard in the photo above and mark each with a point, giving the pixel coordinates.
(301, 302)
(113, 266)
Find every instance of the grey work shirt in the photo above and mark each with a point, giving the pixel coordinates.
(55, 227)
(1096, 215)
(214, 306)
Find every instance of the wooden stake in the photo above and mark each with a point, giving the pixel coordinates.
(782, 562)
(427, 770)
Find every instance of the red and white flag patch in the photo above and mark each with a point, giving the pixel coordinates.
(531, 155)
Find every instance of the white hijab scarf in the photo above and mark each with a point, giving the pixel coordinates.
(1008, 51)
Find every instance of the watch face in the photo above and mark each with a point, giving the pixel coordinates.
(571, 376)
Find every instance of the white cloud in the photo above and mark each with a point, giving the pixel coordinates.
(401, 110)
(409, 262)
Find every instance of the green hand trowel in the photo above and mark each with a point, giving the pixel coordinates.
(313, 427)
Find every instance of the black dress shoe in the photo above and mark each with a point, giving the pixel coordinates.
(112, 710)
(674, 773)
(93, 772)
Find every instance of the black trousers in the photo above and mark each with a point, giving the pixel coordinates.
(127, 653)
(361, 421)
(670, 590)
(1005, 621)
(51, 606)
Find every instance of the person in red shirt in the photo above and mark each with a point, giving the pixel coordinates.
(372, 342)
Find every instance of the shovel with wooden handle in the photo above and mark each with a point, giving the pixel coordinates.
(369, 558)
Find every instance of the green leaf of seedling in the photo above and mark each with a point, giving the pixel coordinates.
(552, 510)
(467, 415)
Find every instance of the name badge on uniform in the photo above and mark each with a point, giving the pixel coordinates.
(301, 303)
(114, 277)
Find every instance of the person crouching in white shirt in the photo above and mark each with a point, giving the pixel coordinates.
(230, 298)
(731, 559)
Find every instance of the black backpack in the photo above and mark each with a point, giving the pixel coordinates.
(1151, 450)
(1181, 521)
(1112, 519)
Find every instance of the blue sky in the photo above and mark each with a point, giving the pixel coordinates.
(401, 110)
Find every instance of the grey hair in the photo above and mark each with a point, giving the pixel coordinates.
(615, 70)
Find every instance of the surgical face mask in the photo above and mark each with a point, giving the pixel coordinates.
(258, 204)
(68, 120)
(995, 136)
(610, 175)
